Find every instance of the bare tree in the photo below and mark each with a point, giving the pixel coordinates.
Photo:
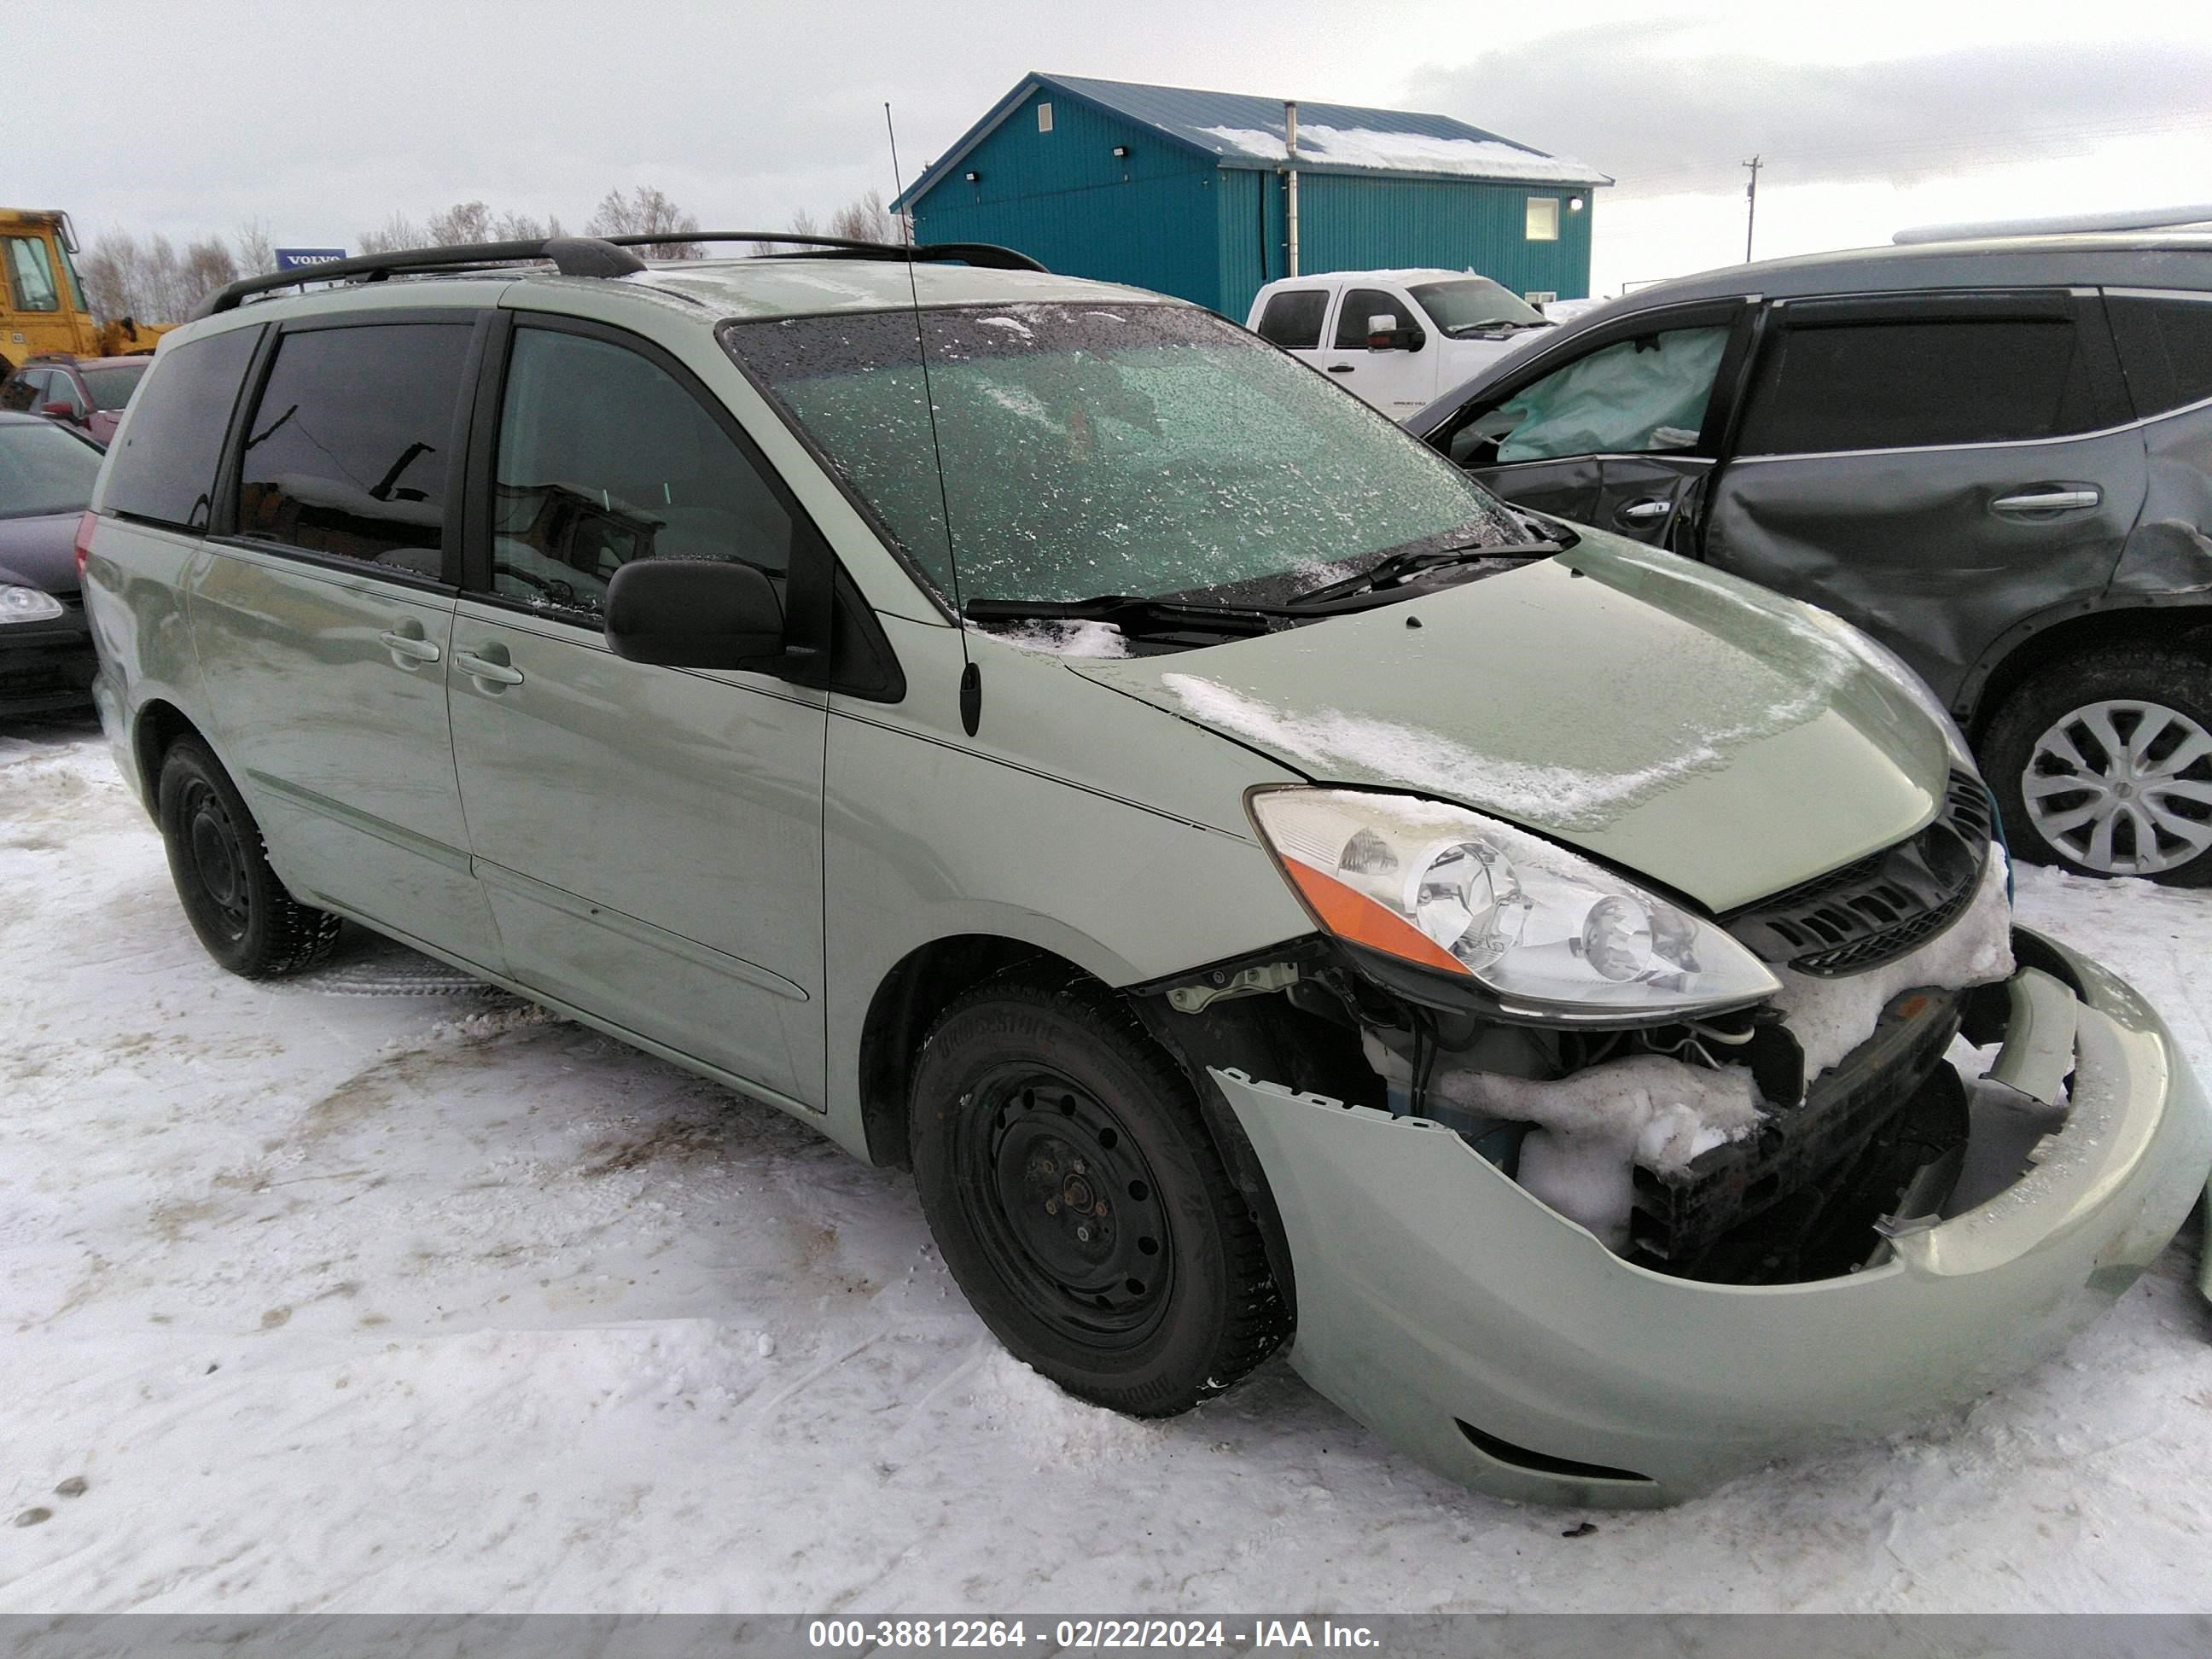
(109, 270)
(647, 213)
(256, 257)
(866, 219)
(398, 232)
(207, 265)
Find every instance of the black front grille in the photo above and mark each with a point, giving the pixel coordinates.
(1878, 908)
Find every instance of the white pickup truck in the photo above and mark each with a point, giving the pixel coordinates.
(1399, 339)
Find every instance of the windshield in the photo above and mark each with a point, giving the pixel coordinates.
(111, 387)
(1467, 303)
(1142, 450)
(44, 469)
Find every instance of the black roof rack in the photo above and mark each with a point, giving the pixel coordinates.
(602, 256)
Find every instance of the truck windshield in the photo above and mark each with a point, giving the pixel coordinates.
(1467, 304)
(1138, 449)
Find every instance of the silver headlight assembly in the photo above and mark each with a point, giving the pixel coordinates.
(1546, 933)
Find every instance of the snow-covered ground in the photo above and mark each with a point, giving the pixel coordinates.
(375, 1291)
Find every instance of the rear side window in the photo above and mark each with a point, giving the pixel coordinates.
(2166, 348)
(1292, 318)
(1360, 305)
(164, 469)
(350, 449)
(1916, 384)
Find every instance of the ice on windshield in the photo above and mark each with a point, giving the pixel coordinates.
(1148, 450)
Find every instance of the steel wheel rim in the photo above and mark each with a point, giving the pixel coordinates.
(1065, 1207)
(218, 858)
(2123, 787)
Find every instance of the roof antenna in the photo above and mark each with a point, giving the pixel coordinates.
(972, 676)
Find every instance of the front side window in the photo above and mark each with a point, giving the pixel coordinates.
(1639, 396)
(1543, 224)
(112, 385)
(25, 390)
(605, 458)
(1355, 317)
(1292, 318)
(31, 274)
(163, 472)
(1915, 384)
(350, 449)
(1089, 449)
(44, 469)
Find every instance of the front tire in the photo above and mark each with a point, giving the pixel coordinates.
(2103, 765)
(1069, 1177)
(235, 903)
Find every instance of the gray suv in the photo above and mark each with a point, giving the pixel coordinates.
(1995, 457)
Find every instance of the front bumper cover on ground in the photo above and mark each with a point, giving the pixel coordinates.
(1473, 1327)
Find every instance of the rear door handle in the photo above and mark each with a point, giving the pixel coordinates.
(2047, 500)
(1645, 512)
(411, 646)
(1342, 368)
(495, 673)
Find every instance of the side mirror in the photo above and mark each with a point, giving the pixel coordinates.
(1386, 333)
(59, 411)
(693, 613)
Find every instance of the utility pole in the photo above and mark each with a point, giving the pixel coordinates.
(1751, 214)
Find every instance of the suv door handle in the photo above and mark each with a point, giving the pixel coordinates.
(1342, 368)
(482, 668)
(1645, 512)
(411, 646)
(2047, 500)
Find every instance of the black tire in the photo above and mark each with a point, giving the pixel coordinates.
(1148, 1292)
(233, 899)
(2170, 691)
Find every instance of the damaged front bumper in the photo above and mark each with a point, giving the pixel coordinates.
(1472, 1326)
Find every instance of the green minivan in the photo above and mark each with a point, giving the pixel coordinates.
(1266, 889)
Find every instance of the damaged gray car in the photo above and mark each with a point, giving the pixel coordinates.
(1996, 457)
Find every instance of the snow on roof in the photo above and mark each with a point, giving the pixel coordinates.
(1384, 151)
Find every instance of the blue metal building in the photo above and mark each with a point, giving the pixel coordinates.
(1189, 192)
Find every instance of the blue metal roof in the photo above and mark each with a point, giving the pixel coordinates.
(1242, 130)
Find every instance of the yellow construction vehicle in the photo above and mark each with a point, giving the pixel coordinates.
(42, 309)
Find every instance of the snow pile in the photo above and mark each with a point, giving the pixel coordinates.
(1830, 1016)
(1595, 1127)
(1083, 638)
(1407, 152)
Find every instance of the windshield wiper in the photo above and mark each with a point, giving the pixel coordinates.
(1133, 615)
(1409, 562)
(1503, 325)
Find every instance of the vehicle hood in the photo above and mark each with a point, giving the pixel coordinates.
(40, 552)
(1707, 734)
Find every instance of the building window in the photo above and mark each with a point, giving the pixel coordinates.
(1543, 219)
(1044, 117)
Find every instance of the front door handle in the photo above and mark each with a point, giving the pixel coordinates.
(1649, 511)
(2047, 500)
(413, 646)
(1342, 368)
(482, 668)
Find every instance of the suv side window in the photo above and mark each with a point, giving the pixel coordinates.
(604, 456)
(1358, 306)
(1917, 383)
(352, 445)
(1640, 397)
(2166, 348)
(1292, 318)
(163, 472)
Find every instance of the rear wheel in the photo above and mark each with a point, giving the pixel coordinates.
(2104, 765)
(233, 899)
(1081, 1206)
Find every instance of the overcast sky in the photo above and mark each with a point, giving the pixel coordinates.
(322, 119)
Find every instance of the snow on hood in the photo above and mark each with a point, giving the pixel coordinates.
(1690, 727)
